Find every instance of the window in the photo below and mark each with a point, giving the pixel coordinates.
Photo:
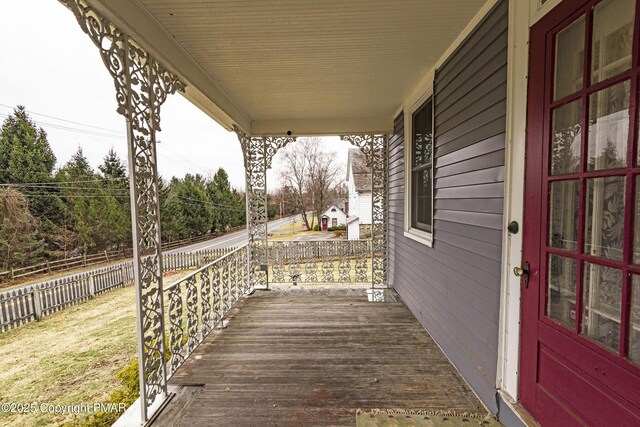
(421, 167)
(334, 222)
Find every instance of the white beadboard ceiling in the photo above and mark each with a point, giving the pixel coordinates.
(326, 66)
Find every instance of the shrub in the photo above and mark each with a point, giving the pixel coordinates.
(127, 393)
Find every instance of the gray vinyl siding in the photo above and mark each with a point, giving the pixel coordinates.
(453, 288)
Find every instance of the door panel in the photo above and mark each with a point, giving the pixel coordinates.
(581, 308)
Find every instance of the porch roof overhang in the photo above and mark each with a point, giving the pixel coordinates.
(312, 68)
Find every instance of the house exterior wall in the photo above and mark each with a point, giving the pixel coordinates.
(359, 203)
(453, 287)
(339, 215)
(364, 208)
(353, 195)
(353, 230)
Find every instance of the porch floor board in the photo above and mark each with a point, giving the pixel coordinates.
(294, 357)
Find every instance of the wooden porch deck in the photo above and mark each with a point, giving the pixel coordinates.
(303, 356)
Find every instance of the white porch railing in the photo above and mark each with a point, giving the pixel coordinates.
(24, 305)
(329, 261)
(198, 302)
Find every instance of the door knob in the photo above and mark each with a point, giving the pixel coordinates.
(523, 272)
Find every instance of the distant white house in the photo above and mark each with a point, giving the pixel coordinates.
(333, 217)
(359, 185)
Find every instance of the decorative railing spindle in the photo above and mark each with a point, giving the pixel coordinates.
(333, 261)
(208, 294)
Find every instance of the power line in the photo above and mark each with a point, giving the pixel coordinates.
(72, 129)
(65, 120)
(65, 182)
(96, 195)
(59, 187)
(166, 146)
(200, 202)
(119, 135)
(76, 196)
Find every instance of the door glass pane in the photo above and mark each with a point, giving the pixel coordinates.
(609, 127)
(565, 138)
(636, 227)
(612, 38)
(634, 333)
(601, 300)
(604, 219)
(563, 215)
(569, 60)
(561, 289)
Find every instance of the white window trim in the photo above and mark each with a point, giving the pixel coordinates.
(419, 236)
(537, 10)
(424, 237)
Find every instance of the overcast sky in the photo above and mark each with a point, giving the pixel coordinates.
(52, 68)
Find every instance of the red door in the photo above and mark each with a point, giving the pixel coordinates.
(580, 350)
(324, 224)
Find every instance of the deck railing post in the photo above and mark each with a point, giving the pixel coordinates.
(220, 287)
(258, 153)
(123, 275)
(376, 151)
(92, 285)
(236, 264)
(2, 325)
(37, 303)
(142, 85)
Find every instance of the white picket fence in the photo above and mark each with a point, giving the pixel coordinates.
(24, 305)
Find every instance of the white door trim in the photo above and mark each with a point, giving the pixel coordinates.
(517, 69)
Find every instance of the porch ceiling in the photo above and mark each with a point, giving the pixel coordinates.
(320, 67)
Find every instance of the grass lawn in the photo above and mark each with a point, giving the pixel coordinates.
(293, 230)
(69, 357)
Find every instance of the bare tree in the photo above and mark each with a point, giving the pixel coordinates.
(324, 176)
(295, 174)
(312, 173)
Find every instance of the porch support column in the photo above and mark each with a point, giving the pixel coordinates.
(258, 153)
(376, 151)
(142, 85)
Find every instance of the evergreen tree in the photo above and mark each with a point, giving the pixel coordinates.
(186, 210)
(115, 173)
(112, 167)
(94, 213)
(78, 168)
(25, 154)
(26, 157)
(217, 190)
(19, 243)
(75, 177)
(229, 206)
(238, 202)
(198, 211)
